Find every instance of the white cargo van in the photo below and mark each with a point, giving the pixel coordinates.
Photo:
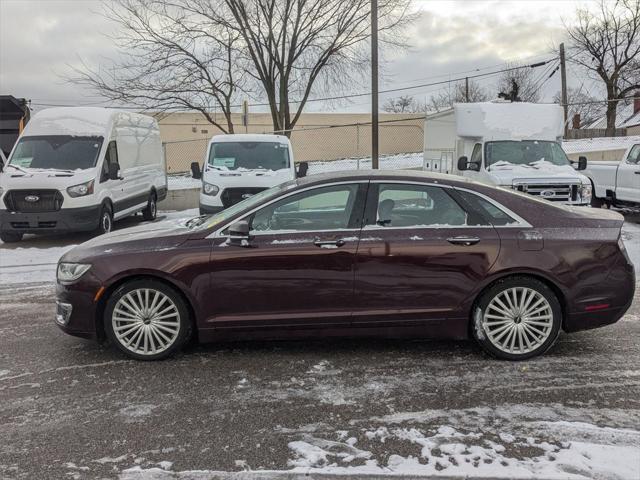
(240, 165)
(513, 145)
(79, 169)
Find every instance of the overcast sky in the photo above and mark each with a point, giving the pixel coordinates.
(40, 38)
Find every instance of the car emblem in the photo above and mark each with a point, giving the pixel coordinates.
(547, 193)
(31, 198)
(247, 195)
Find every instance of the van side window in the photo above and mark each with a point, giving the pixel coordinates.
(476, 155)
(109, 158)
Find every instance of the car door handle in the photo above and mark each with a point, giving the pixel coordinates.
(466, 241)
(335, 243)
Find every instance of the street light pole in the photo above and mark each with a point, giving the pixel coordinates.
(374, 86)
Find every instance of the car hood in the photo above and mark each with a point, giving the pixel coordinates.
(505, 173)
(158, 236)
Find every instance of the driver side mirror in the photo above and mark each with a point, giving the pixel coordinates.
(582, 163)
(239, 234)
(195, 171)
(465, 164)
(114, 171)
(303, 167)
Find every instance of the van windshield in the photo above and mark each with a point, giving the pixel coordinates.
(526, 152)
(249, 156)
(56, 152)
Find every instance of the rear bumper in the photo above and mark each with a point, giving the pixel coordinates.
(64, 220)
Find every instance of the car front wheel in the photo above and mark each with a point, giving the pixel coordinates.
(517, 318)
(147, 320)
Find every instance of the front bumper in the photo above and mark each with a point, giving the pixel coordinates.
(76, 311)
(64, 220)
(209, 210)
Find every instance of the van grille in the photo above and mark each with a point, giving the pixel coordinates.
(33, 201)
(555, 192)
(231, 196)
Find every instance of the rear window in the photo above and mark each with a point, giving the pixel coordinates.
(492, 212)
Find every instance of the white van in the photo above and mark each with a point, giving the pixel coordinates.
(239, 165)
(79, 169)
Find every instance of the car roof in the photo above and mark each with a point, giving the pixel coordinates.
(394, 175)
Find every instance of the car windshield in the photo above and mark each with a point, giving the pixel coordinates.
(249, 156)
(526, 152)
(210, 221)
(57, 152)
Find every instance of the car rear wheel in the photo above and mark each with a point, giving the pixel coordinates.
(151, 211)
(517, 318)
(10, 237)
(147, 320)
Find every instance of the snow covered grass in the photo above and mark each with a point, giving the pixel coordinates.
(586, 145)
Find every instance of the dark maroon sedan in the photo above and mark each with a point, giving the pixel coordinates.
(357, 253)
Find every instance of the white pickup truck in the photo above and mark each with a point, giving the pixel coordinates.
(616, 184)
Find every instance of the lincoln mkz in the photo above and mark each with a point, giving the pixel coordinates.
(393, 254)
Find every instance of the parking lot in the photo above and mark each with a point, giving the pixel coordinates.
(70, 408)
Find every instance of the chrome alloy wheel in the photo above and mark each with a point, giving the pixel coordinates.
(518, 320)
(146, 321)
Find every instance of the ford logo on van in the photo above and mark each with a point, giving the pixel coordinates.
(31, 198)
(547, 193)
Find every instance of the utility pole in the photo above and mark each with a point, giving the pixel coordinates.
(374, 86)
(466, 89)
(563, 77)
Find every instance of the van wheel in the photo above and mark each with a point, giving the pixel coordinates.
(106, 221)
(147, 320)
(150, 213)
(517, 318)
(10, 237)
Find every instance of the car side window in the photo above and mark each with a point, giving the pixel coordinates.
(401, 205)
(324, 208)
(634, 155)
(491, 212)
(110, 157)
(476, 155)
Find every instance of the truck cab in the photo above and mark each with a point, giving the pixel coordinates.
(237, 166)
(511, 145)
(617, 183)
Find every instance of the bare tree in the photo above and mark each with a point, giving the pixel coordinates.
(606, 43)
(404, 104)
(581, 103)
(201, 54)
(170, 59)
(518, 84)
(445, 100)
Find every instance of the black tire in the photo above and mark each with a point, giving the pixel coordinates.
(184, 322)
(479, 331)
(105, 224)
(149, 214)
(11, 237)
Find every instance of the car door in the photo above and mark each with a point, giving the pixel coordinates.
(628, 177)
(114, 187)
(297, 267)
(420, 256)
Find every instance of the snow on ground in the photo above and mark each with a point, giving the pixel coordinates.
(509, 441)
(586, 145)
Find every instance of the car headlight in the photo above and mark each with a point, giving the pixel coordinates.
(71, 272)
(585, 193)
(81, 190)
(210, 189)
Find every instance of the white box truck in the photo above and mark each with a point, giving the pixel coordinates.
(79, 169)
(512, 145)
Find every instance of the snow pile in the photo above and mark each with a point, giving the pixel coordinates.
(27, 265)
(398, 161)
(586, 145)
(183, 182)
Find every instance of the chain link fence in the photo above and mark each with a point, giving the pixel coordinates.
(329, 148)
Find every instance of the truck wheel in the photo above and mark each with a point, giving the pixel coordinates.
(106, 221)
(517, 318)
(149, 213)
(10, 237)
